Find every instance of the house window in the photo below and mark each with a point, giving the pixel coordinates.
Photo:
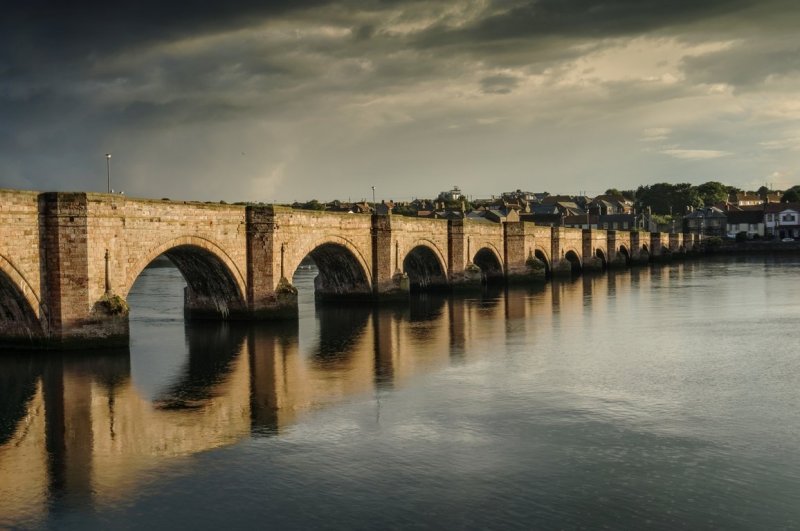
(624, 224)
(615, 225)
(605, 225)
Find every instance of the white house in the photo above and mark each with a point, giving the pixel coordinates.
(782, 219)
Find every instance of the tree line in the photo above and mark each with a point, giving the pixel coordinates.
(675, 199)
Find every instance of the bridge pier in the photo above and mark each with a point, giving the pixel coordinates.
(74, 319)
(266, 298)
(639, 254)
(616, 258)
(463, 275)
(388, 283)
(522, 267)
(592, 241)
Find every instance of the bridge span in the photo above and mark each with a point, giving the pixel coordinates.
(68, 260)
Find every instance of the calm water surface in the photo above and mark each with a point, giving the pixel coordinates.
(659, 398)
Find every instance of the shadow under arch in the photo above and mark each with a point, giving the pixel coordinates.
(540, 255)
(623, 251)
(574, 261)
(644, 254)
(491, 268)
(341, 275)
(424, 269)
(212, 291)
(599, 254)
(19, 324)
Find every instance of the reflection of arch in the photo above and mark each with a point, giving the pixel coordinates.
(19, 305)
(491, 267)
(185, 241)
(213, 349)
(574, 259)
(213, 284)
(340, 271)
(425, 268)
(341, 328)
(295, 256)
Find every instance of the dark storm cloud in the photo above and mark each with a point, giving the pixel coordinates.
(44, 31)
(348, 89)
(580, 19)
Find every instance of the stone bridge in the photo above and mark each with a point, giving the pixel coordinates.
(68, 260)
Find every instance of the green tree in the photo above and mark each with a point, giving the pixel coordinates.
(763, 191)
(712, 192)
(666, 198)
(313, 205)
(625, 194)
(792, 195)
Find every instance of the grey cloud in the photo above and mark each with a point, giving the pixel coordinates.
(51, 31)
(335, 111)
(499, 84)
(581, 19)
(744, 66)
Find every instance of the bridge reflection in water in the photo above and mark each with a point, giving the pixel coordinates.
(79, 430)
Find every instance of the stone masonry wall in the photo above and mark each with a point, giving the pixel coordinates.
(135, 231)
(19, 243)
(408, 232)
(484, 235)
(302, 231)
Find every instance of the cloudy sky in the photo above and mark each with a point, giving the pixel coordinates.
(266, 101)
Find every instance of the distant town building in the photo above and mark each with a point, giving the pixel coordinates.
(749, 222)
(709, 221)
(451, 195)
(782, 220)
(745, 199)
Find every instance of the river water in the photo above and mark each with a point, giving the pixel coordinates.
(662, 398)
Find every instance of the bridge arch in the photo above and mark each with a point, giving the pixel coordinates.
(488, 259)
(342, 270)
(544, 256)
(574, 259)
(623, 251)
(330, 243)
(19, 305)
(425, 266)
(600, 254)
(215, 286)
(644, 253)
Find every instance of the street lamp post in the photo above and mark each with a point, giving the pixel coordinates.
(108, 172)
(373, 199)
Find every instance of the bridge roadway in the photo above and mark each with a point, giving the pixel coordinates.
(68, 260)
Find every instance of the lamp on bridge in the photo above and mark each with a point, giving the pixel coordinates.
(108, 173)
